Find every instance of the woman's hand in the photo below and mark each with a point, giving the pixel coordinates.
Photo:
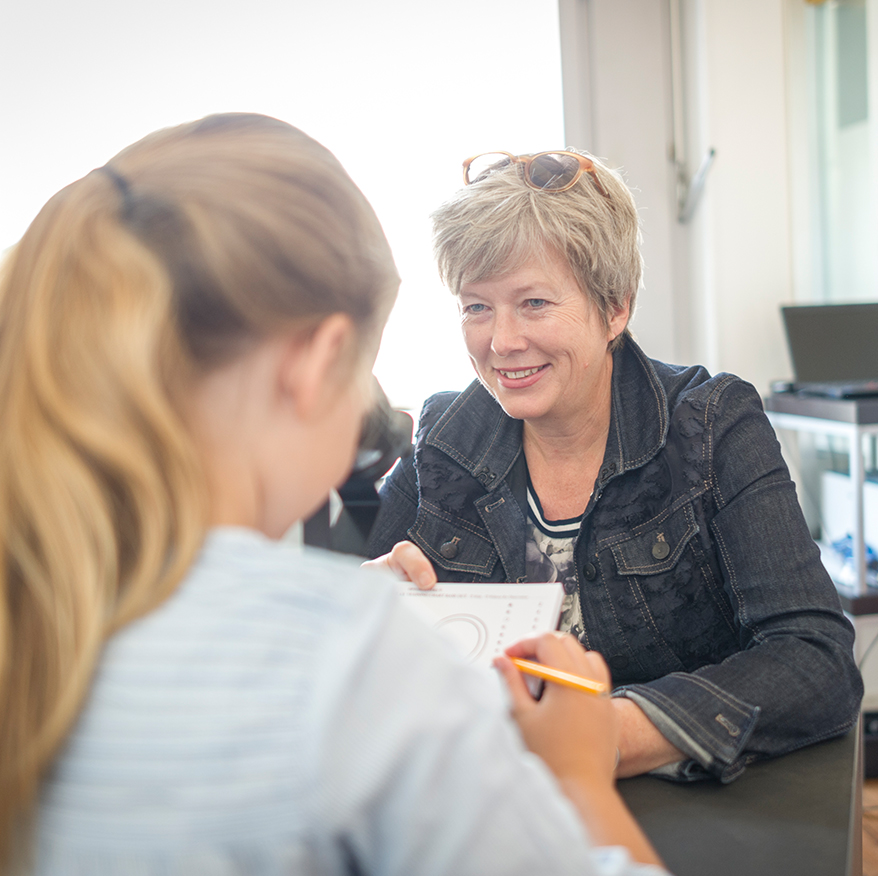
(576, 734)
(409, 563)
(641, 746)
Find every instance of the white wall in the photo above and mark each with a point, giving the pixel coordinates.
(617, 106)
(746, 213)
(872, 43)
(713, 287)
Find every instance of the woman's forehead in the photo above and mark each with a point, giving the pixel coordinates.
(545, 267)
(536, 275)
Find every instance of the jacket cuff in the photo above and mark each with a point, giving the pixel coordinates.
(706, 723)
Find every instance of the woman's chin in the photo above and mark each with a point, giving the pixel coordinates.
(519, 409)
(515, 403)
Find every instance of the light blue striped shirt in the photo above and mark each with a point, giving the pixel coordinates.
(282, 713)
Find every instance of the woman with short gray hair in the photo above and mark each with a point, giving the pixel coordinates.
(656, 494)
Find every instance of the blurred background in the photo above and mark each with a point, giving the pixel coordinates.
(402, 91)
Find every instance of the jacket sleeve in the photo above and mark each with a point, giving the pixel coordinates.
(794, 681)
(398, 509)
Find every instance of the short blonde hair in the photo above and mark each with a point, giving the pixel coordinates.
(495, 225)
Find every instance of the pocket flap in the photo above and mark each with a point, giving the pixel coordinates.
(656, 546)
(452, 543)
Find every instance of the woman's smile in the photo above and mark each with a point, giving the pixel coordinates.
(520, 378)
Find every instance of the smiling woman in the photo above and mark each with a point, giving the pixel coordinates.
(655, 494)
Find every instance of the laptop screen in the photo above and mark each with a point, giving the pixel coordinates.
(833, 342)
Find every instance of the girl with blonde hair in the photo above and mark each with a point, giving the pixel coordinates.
(186, 336)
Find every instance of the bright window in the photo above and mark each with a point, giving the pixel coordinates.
(843, 251)
(401, 91)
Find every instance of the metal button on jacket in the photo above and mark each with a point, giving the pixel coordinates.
(449, 549)
(589, 571)
(661, 548)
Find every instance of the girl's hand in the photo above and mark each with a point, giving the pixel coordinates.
(577, 735)
(574, 732)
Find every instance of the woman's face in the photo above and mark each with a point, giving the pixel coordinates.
(536, 342)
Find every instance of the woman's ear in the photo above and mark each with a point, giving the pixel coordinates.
(618, 319)
(309, 366)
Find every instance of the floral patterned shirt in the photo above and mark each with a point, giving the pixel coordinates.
(549, 555)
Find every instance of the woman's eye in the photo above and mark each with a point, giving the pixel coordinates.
(474, 308)
(536, 302)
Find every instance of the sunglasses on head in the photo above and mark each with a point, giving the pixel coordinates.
(545, 171)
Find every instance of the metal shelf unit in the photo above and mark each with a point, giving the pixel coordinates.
(853, 419)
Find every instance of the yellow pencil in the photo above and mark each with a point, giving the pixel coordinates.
(596, 688)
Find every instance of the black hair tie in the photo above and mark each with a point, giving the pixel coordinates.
(123, 187)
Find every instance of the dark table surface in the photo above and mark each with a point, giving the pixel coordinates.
(798, 815)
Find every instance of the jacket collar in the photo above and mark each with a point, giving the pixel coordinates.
(477, 434)
(638, 413)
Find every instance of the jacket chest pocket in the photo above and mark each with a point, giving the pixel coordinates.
(452, 543)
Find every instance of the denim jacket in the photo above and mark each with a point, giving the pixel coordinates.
(698, 579)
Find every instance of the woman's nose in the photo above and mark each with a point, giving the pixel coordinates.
(508, 336)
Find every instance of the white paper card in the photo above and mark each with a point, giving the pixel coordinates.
(481, 620)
